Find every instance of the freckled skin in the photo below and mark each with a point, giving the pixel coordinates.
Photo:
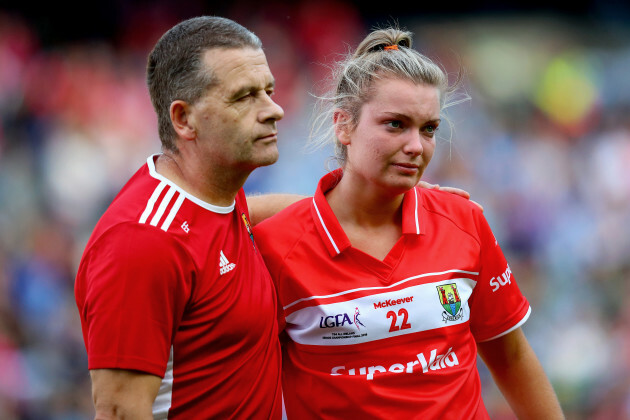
(394, 139)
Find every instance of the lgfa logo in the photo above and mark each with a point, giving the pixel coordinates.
(339, 320)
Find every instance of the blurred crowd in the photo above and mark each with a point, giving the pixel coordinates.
(543, 144)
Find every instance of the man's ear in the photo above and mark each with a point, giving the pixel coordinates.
(341, 122)
(181, 120)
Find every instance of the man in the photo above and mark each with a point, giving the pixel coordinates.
(177, 308)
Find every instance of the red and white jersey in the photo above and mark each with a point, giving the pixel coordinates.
(175, 287)
(396, 338)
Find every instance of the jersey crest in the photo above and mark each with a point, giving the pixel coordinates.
(451, 302)
(249, 228)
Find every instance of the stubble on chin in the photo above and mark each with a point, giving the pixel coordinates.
(265, 157)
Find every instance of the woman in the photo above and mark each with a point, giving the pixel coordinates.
(389, 291)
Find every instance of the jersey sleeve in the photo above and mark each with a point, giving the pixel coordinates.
(132, 288)
(497, 305)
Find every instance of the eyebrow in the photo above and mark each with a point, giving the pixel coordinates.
(251, 88)
(406, 117)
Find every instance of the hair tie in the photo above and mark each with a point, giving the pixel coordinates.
(391, 47)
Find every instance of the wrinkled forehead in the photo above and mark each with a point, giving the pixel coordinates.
(229, 65)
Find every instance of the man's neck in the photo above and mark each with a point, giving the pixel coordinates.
(208, 184)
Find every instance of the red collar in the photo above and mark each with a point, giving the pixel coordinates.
(329, 228)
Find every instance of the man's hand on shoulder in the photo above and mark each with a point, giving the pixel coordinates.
(452, 190)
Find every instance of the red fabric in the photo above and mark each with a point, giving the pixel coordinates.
(196, 286)
(371, 338)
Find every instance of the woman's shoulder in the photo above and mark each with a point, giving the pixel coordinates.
(457, 209)
(289, 220)
(445, 201)
(276, 236)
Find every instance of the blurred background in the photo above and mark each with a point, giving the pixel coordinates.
(543, 145)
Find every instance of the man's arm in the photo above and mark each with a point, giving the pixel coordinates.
(263, 206)
(123, 394)
(266, 205)
(520, 376)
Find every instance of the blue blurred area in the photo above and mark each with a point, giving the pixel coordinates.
(543, 145)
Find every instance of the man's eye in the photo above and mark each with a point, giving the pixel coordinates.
(395, 124)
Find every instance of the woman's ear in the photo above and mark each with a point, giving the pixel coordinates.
(341, 122)
(182, 121)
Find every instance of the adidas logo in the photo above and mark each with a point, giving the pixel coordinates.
(224, 264)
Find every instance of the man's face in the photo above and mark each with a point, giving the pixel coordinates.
(235, 121)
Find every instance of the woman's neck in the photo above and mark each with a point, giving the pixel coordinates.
(371, 220)
(355, 201)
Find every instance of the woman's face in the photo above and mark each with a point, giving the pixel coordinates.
(394, 139)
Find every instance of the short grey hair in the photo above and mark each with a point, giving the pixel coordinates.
(175, 68)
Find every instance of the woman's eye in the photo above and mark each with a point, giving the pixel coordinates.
(431, 129)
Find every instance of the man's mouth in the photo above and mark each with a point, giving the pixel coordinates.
(272, 136)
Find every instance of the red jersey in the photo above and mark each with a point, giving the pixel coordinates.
(175, 287)
(393, 338)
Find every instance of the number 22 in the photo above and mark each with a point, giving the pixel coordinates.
(405, 316)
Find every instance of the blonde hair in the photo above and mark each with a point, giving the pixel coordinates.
(383, 53)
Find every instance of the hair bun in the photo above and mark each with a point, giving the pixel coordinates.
(381, 39)
(384, 46)
(404, 42)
